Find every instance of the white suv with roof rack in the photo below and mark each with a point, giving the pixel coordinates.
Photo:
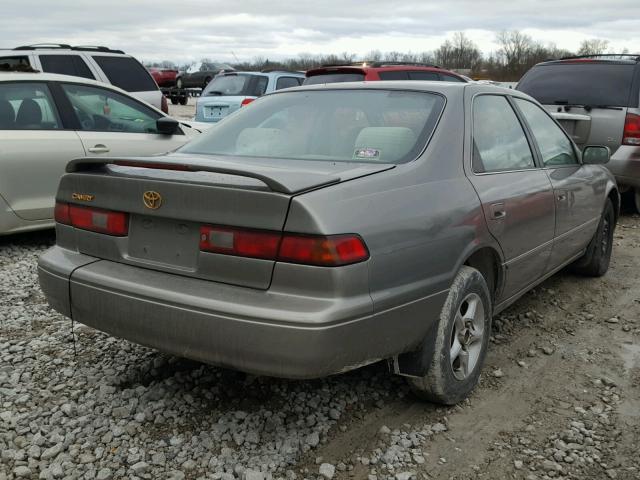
(93, 62)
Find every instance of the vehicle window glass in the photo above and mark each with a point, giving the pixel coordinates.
(27, 106)
(260, 86)
(236, 85)
(9, 63)
(499, 140)
(589, 83)
(66, 65)
(555, 147)
(126, 73)
(287, 82)
(99, 109)
(333, 78)
(423, 76)
(450, 78)
(328, 125)
(393, 75)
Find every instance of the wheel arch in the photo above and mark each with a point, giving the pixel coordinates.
(488, 261)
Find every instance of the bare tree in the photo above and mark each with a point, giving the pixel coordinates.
(459, 52)
(595, 46)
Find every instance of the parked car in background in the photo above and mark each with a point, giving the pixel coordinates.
(95, 63)
(232, 90)
(47, 120)
(164, 77)
(374, 71)
(327, 227)
(200, 74)
(596, 100)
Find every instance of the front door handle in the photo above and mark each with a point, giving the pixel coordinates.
(99, 148)
(498, 211)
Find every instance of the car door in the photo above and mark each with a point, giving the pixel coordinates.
(110, 123)
(34, 148)
(574, 184)
(516, 195)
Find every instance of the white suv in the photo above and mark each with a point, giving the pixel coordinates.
(96, 63)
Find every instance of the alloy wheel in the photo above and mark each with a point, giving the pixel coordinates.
(467, 336)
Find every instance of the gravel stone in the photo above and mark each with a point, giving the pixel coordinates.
(327, 470)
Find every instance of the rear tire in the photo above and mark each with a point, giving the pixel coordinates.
(461, 341)
(184, 100)
(636, 199)
(174, 101)
(595, 261)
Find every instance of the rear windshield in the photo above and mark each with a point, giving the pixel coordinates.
(386, 126)
(237, 85)
(334, 78)
(580, 84)
(126, 73)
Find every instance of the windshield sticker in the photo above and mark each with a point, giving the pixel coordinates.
(369, 153)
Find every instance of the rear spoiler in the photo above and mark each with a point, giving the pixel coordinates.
(277, 179)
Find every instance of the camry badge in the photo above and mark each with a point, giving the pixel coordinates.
(152, 200)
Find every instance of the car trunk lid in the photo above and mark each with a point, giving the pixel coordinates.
(214, 108)
(191, 192)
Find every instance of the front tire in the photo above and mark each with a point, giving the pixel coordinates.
(461, 341)
(595, 261)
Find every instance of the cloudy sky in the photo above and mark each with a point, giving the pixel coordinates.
(187, 30)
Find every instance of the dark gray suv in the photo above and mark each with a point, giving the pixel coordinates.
(596, 99)
(327, 227)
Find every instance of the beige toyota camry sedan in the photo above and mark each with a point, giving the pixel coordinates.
(46, 120)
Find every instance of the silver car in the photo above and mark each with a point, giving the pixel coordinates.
(46, 120)
(596, 99)
(329, 227)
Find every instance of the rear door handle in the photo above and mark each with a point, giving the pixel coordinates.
(99, 148)
(498, 211)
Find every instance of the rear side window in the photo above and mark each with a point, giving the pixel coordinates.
(66, 65)
(555, 148)
(126, 73)
(287, 82)
(450, 78)
(334, 78)
(499, 142)
(585, 83)
(8, 63)
(424, 76)
(27, 106)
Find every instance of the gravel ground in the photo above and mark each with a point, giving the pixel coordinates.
(559, 397)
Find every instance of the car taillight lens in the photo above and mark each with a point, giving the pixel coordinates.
(328, 251)
(239, 242)
(93, 219)
(246, 102)
(631, 135)
(164, 105)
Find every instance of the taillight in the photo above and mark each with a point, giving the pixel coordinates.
(631, 135)
(246, 102)
(164, 105)
(327, 251)
(93, 219)
(239, 242)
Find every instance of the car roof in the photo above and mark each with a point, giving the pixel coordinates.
(270, 73)
(442, 87)
(380, 67)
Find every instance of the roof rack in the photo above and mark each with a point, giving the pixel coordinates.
(378, 64)
(605, 56)
(64, 46)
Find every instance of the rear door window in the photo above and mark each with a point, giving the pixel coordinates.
(499, 141)
(424, 76)
(333, 78)
(126, 73)
(99, 109)
(287, 82)
(556, 149)
(66, 65)
(581, 83)
(394, 75)
(27, 106)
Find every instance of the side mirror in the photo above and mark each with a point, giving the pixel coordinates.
(167, 125)
(595, 155)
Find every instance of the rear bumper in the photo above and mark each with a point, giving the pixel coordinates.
(256, 331)
(625, 165)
